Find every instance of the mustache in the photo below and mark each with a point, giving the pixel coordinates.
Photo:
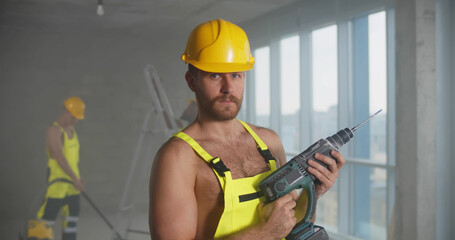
(228, 97)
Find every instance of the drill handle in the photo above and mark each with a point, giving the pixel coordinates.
(312, 200)
(301, 229)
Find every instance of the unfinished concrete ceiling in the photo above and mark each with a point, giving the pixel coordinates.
(137, 16)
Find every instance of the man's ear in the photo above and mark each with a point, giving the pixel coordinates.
(190, 80)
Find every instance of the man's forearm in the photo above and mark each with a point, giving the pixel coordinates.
(63, 163)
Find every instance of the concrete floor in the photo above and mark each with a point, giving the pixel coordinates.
(92, 226)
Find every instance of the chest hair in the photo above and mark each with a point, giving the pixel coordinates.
(240, 155)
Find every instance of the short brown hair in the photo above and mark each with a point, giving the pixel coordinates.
(192, 69)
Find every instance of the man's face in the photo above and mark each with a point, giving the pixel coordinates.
(74, 120)
(219, 95)
(70, 119)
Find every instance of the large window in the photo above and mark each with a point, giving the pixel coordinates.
(290, 94)
(325, 82)
(324, 107)
(262, 86)
(369, 83)
(325, 79)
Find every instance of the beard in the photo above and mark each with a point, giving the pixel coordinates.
(218, 111)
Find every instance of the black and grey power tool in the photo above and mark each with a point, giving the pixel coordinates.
(294, 175)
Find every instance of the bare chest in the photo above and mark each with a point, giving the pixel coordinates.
(240, 157)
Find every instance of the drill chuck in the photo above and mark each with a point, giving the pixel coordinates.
(344, 135)
(340, 138)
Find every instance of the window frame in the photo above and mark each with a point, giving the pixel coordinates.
(345, 105)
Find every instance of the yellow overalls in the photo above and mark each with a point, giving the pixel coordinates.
(241, 196)
(71, 152)
(62, 195)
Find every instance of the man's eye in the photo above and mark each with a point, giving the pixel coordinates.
(236, 75)
(214, 75)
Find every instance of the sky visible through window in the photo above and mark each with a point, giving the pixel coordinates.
(290, 75)
(377, 61)
(325, 70)
(262, 77)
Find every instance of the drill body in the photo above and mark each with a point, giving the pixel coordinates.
(294, 175)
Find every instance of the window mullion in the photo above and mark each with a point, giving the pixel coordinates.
(305, 88)
(250, 110)
(343, 121)
(275, 90)
(390, 16)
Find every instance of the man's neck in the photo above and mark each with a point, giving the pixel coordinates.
(219, 129)
(63, 123)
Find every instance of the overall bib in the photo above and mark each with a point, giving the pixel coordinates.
(241, 196)
(61, 195)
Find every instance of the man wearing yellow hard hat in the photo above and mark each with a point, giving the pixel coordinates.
(64, 181)
(204, 181)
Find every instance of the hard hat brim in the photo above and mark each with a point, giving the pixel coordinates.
(222, 68)
(80, 117)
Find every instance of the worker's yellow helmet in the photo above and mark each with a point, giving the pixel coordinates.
(218, 46)
(75, 106)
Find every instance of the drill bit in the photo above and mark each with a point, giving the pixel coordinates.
(355, 128)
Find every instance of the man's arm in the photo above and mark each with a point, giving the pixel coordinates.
(172, 200)
(54, 145)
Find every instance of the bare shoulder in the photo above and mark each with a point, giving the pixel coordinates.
(272, 140)
(267, 135)
(175, 157)
(53, 130)
(175, 149)
(53, 134)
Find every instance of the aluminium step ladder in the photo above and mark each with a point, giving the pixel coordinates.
(159, 125)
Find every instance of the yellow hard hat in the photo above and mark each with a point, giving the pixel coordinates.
(218, 46)
(38, 229)
(75, 106)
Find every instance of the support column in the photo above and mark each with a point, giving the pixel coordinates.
(415, 117)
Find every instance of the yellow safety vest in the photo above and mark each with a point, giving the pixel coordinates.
(241, 196)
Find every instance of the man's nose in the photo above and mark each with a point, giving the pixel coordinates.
(227, 84)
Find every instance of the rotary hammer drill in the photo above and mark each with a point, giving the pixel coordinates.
(294, 175)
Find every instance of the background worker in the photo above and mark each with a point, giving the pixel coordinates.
(204, 180)
(62, 147)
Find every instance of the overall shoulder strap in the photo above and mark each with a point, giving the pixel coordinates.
(196, 147)
(262, 148)
(258, 140)
(214, 162)
(60, 127)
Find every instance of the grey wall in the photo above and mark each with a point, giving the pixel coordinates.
(452, 190)
(43, 63)
(444, 63)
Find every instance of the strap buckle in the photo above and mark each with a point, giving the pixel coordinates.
(266, 154)
(218, 166)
